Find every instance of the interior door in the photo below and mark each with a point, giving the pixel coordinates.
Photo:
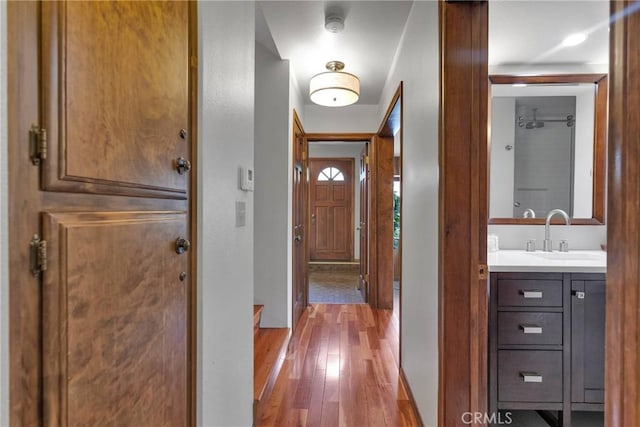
(299, 244)
(364, 222)
(102, 321)
(331, 200)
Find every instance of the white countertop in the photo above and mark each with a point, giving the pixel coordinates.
(580, 261)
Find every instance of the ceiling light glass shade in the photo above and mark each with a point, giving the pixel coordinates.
(334, 88)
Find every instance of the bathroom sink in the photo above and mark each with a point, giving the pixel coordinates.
(576, 261)
(565, 256)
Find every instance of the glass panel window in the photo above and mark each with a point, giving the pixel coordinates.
(330, 174)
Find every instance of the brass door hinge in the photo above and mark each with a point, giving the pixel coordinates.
(483, 272)
(366, 160)
(37, 144)
(38, 249)
(194, 61)
(366, 278)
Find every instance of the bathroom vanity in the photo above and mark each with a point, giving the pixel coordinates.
(546, 332)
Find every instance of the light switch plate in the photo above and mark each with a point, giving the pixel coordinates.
(241, 214)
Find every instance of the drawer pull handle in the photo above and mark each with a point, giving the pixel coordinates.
(531, 294)
(531, 329)
(531, 377)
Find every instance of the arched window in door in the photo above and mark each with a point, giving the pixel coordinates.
(330, 174)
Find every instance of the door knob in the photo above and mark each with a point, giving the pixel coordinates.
(182, 245)
(183, 133)
(298, 238)
(183, 165)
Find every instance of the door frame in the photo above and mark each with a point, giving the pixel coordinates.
(622, 325)
(463, 208)
(384, 133)
(352, 137)
(352, 207)
(385, 130)
(462, 306)
(297, 126)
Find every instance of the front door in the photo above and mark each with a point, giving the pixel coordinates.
(331, 209)
(100, 213)
(364, 222)
(299, 244)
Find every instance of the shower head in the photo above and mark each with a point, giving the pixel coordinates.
(532, 124)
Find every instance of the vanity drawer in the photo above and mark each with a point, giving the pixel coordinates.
(529, 328)
(529, 293)
(529, 376)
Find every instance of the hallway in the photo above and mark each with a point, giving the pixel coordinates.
(334, 283)
(341, 369)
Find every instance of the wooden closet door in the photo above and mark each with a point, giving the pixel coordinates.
(102, 326)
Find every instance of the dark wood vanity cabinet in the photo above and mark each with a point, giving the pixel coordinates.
(546, 342)
(587, 341)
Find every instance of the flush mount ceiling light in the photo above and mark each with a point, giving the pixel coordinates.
(574, 39)
(334, 88)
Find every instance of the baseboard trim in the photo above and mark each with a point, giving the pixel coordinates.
(405, 382)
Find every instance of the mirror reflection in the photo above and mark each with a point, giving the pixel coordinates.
(547, 146)
(542, 150)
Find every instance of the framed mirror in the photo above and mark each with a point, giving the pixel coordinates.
(547, 147)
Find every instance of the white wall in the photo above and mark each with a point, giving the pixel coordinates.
(4, 228)
(354, 118)
(345, 151)
(583, 170)
(417, 66)
(271, 187)
(225, 252)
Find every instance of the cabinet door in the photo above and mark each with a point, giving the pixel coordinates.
(587, 341)
(115, 97)
(114, 319)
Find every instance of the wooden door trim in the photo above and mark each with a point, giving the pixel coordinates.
(192, 340)
(352, 166)
(622, 339)
(385, 130)
(339, 137)
(463, 208)
(297, 123)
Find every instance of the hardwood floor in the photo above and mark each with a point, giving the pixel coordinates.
(341, 369)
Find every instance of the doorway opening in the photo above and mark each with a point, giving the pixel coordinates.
(335, 206)
(393, 125)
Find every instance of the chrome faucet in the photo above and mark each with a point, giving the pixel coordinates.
(528, 213)
(547, 238)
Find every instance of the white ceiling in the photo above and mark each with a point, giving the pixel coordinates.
(520, 32)
(531, 32)
(367, 44)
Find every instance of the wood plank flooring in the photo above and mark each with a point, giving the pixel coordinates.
(341, 370)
